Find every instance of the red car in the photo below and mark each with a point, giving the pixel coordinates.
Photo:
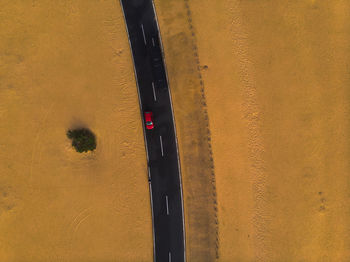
(149, 120)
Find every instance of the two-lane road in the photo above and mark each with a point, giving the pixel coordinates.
(162, 155)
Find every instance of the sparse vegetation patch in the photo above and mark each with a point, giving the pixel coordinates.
(83, 140)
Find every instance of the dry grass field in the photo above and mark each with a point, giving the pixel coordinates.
(276, 82)
(261, 101)
(66, 64)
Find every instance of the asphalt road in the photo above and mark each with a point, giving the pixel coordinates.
(162, 155)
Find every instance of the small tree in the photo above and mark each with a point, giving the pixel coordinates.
(83, 139)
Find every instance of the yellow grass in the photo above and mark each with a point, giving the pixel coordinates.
(276, 85)
(65, 64)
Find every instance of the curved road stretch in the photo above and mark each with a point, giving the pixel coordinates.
(161, 145)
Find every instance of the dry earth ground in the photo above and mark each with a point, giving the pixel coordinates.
(65, 64)
(276, 78)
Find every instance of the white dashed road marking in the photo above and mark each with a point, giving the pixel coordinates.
(161, 145)
(153, 42)
(154, 92)
(143, 33)
(167, 205)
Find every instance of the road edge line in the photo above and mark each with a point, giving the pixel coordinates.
(143, 127)
(173, 116)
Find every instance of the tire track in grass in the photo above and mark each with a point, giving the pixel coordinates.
(251, 112)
